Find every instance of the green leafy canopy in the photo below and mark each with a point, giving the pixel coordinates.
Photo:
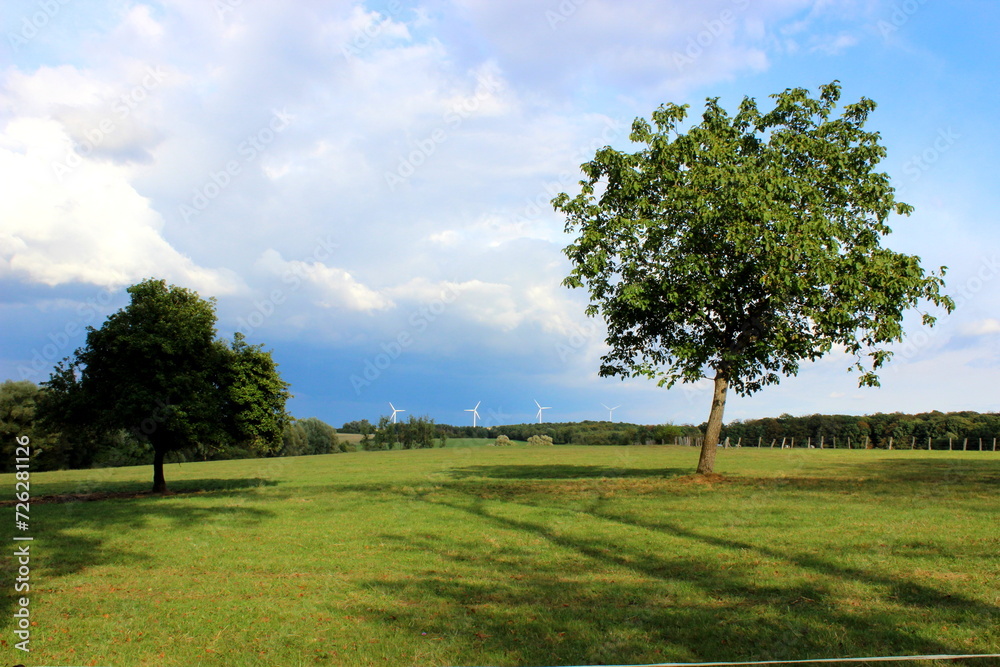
(156, 369)
(745, 244)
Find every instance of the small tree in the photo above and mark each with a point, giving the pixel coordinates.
(355, 426)
(666, 433)
(366, 429)
(321, 436)
(743, 246)
(384, 436)
(424, 432)
(253, 396)
(295, 440)
(155, 369)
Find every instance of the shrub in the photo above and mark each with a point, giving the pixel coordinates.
(540, 440)
(502, 441)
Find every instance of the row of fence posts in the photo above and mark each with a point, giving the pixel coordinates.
(787, 443)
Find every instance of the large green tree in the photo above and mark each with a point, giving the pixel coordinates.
(743, 245)
(156, 369)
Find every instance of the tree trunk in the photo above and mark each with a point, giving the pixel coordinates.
(159, 481)
(706, 464)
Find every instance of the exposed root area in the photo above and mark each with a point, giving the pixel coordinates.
(710, 478)
(62, 498)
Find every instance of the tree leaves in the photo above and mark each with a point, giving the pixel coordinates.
(744, 244)
(154, 368)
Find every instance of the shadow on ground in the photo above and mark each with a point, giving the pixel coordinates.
(636, 593)
(70, 531)
(932, 470)
(560, 471)
(135, 490)
(873, 475)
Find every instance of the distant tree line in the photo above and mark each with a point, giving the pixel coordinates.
(876, 429)
(305, 437)
(571, 433)
(55, 449)
(595, 433)
(414, 433)
(365, 427)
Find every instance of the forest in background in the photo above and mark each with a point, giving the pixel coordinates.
(55, 451)
(904, 429)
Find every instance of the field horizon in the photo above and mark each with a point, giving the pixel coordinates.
(516, 556)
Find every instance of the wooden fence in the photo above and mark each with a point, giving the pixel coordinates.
(930, 444)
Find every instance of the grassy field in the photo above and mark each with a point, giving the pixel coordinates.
(355, 439)
(516, 556)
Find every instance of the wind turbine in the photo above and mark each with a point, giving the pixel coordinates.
(540, 408)
(475, 414)
(611, 411)
(394, 411)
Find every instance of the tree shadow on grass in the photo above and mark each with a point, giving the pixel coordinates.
(881, 472)
(930, 477)
(638, 604)
(71, 534)
(131, 490)
(562, 471)
(933, 470)
(109, 490)
(99, 488)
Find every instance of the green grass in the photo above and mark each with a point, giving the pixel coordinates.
(471, 442)
(355, 439)
(518, 556)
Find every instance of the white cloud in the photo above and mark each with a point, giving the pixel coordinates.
(985, 327)
(331, 287)
(448, 237)
(494, 305)
(140, 21)
(645, 45)
(520, 101)
(833, 45)
(84, 223)
(371, 27)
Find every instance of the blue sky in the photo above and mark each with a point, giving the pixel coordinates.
(364, 187)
